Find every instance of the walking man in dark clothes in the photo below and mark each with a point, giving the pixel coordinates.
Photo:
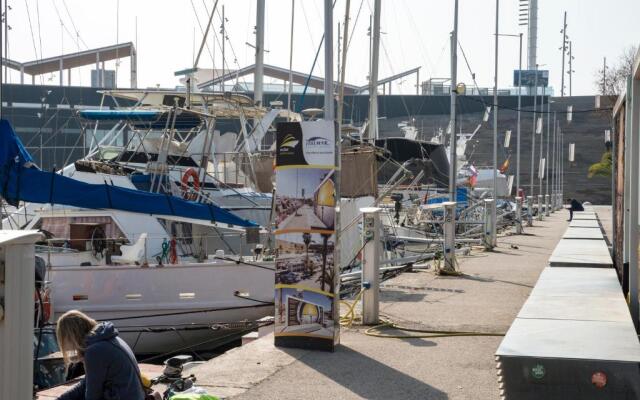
(574, 205)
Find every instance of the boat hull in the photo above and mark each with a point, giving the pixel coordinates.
(146, 304)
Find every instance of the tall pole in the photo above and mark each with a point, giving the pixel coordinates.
(345, 43)
(259, 74)
(452, 123)
(570, 68)
(328, 61)
(546, 157)
(495, 131)
(564, 51)
(373, 78)
(604, 77)
(540, 171)
(519, 115)
(562, 163)
(6, 43)
(533, 131)
(449, 230)
(532, 36)
(293, 12)
(224, 36)
(554, 169)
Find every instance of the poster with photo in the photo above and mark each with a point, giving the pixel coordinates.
(305, 200)
(305, 281)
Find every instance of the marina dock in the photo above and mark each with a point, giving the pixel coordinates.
(411, 207)
(486, 300)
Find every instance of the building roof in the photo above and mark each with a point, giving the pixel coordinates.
(72, 60)
(297, 77)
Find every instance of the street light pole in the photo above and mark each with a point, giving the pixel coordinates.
(533, 131)
(546, 157)
(555, 166)
(519, 217)
(540, 166)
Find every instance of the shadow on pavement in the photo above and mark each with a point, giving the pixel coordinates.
(369, 378)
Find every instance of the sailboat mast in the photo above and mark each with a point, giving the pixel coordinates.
(345, 44)
(373, 78)
(293, 14)
(328, 61)
(453, 172)
(259, 73)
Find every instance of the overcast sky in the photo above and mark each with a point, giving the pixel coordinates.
(416, 33)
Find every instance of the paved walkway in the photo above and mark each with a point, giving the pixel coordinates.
(487, 299)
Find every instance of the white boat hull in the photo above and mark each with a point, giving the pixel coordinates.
(143, 302)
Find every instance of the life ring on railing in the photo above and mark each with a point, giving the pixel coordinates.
(190, 175)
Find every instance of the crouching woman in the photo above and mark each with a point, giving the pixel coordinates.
(111, 370)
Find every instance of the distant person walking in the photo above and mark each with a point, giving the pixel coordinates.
(111, 369)
(574, 205)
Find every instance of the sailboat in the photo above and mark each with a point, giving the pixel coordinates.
(149, 261)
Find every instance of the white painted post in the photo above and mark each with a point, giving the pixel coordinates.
(540, 212)
(529, 210)
(518, 215)
(449, 228)
(17, 283)
(547, 212)
(487, 238)
(370, 265)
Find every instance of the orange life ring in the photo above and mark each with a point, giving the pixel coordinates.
(190, 175)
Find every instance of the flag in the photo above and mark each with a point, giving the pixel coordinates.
(473, 179)
(505, 165)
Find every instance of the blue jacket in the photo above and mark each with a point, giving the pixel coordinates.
(111, 370)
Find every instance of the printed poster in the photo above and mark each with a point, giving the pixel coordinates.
(306, 313)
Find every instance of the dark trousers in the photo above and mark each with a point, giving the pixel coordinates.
(570, 214)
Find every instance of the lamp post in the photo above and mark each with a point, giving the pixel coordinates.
(533, 131)
(518, 216)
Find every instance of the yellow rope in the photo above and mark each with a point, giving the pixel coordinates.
(347, 319)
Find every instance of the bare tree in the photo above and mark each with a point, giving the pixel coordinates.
(614, 81)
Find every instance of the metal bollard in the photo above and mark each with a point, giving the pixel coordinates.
(518, 215)
(370, 265)
(540, 211)
(529, 210)
(546, 205)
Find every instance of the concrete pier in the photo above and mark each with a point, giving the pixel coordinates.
(486, 299)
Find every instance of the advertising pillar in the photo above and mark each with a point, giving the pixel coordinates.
(306, 281)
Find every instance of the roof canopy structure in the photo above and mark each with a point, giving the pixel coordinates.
(301, 78)
(75, 60)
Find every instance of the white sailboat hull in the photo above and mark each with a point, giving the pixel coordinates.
(144, 302)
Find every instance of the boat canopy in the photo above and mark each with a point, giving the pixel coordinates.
(20, 180)
(117, 115)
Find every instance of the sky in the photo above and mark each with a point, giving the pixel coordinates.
(415, 33)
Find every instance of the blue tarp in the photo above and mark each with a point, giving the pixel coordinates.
(462, 199)
(19, 182)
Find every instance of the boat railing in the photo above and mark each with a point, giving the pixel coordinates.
(184, 244)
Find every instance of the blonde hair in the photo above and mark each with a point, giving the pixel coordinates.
(72, 330)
